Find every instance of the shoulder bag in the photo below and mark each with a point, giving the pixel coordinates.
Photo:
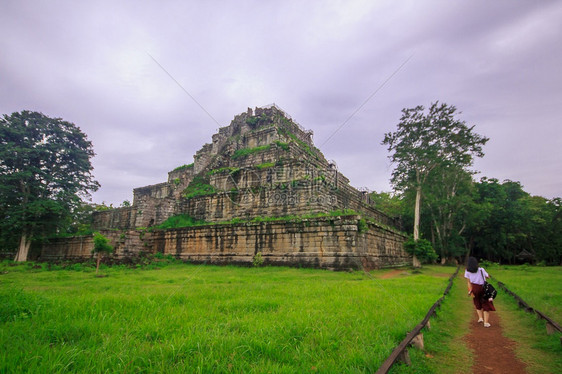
(489, 290)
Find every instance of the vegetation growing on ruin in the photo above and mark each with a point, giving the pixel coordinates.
(265, 165)
(244, 152)
(199, 186)
(312, 151)
(257, 260)
(183, 167)
(284, 146)
(187, 318)
(228, 169)
(252, 121)
(180, 220)
(362, 226)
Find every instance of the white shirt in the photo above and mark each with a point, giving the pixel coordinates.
(476, 278)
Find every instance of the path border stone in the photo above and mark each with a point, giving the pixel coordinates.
(415, 337)
(551, 325)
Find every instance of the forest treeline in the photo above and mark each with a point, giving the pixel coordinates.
(489, 219)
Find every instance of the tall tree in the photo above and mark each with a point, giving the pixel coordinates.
(448, 201)
(425, 141)
(45, 171)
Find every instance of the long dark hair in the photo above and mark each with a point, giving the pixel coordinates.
(472, 265)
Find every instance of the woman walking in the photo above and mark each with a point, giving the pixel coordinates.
(476, 276)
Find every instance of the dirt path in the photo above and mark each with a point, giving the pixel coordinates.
(397, 272)
(392, 274)
(493, 353)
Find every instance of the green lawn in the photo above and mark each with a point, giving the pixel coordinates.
(196, 318)
(540, 287)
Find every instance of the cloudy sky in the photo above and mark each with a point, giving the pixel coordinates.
(108, 67)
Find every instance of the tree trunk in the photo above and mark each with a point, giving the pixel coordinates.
(23, 249)
(415, 262)
(98, 264)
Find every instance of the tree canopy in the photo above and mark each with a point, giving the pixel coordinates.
(424, 141)
(512, 221)
(432, 144)
(45, 171)
(101, 247)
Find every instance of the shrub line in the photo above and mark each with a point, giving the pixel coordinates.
(551, 325)
(401, 351)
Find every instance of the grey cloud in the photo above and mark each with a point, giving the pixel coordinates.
(88, 63)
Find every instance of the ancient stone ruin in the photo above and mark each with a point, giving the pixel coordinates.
(261, 186)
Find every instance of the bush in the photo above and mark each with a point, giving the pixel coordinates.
(258, 260)
(487, 264)
(199, 186)
(362, 226)
(101, 244)
(181, 220)
(422, 249)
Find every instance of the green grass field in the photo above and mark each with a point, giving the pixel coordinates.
(540, 287)
(195, 318)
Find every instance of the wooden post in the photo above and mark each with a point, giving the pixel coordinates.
(550, 328)
(418, 341)
(405, 357)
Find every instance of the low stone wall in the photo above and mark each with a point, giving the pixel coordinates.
(75, 248)
(126, 243)
(119, 218)
(327, 242)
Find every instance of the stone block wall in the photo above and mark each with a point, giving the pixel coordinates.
(154, 211)
(383, 246)
(258, 138)
(127, 243)
(157, 191)
(333, 243)
(178, 180)
(118, 218)
(147, 212)
(327, 242)
(247, 204)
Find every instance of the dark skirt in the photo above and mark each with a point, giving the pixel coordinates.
(479, 301)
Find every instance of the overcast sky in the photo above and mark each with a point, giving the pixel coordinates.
(499, 63)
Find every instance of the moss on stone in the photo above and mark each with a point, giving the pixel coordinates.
(199, 186)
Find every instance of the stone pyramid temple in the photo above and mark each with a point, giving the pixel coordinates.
(262, 187)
